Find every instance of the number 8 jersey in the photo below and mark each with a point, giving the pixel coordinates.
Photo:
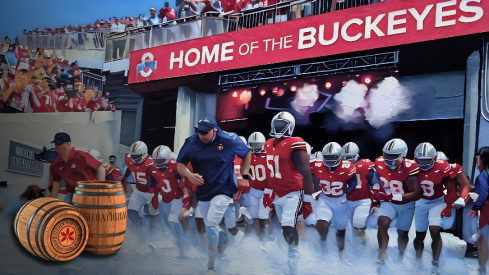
(431, 180)
(283, 175)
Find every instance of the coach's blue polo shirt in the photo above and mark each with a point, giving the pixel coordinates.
(214, 161)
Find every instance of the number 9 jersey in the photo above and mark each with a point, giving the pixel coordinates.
(283, 175)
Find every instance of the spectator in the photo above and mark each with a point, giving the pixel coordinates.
(167, 13)
(153, 19)
(72, 166)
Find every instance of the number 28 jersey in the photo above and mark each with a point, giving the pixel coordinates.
(333, 183)
(283, 175)
(394, 181)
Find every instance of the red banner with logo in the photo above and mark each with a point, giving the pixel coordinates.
(390, 23)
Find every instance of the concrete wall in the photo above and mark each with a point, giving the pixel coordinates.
(97, 130)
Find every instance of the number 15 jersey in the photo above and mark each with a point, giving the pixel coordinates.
(283, 175)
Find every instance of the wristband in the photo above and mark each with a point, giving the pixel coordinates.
(246, 177)
(397, 197)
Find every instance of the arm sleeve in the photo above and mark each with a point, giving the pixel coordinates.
(481, 188)
(373, 177)
(351, 184)
(152, 181)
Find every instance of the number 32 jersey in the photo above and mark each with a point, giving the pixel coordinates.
(283, 175)
(333, 183)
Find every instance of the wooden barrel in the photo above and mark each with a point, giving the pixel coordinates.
(103, 205)
(51, 229)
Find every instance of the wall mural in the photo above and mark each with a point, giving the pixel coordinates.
(38, 81)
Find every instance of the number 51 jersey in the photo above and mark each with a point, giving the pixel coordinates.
(283, 175)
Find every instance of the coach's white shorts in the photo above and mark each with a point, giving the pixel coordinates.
(333, 210)
(360, 210)
(404, 213)
(174, 211)
(428, 213)
(213, 211)
(138, 199)
(287, 208)
(470, 226)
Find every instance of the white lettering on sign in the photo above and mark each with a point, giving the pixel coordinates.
(446, 14)
(194, 56)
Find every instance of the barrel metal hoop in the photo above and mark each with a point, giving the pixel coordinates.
(103, 246)
(99, 193)
(100, 206)
(107, 235)
(111, 186)
(30, 221)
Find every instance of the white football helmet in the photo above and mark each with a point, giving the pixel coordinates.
(425, 156)
(96, 154)
(350, 152)
(161, 155)
(138, 152)
(283, 125)
(332, 154)
(394, 152)
(441, 156)
(257, 141)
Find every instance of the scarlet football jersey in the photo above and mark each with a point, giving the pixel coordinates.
(333, 183)
(111, 170)
(283, 175)
(140, 172)
(361, 191)
(168, 183)
(394, 181)
(258, 169)
(431, 180)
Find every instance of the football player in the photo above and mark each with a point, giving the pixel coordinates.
(335, 176)
(359, 199)
(165, 180)
(432, 209)
(138, 165)
(401, 189)
(290, 177)
(258, 183)
(112, 172)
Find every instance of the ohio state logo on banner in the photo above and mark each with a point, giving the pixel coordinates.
(147, 65)
(385, 24)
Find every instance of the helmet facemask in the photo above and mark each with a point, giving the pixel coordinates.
(280, 128)
(351, 158)
(425, 164)
(139, 158)
(331, 161)
(392, 161)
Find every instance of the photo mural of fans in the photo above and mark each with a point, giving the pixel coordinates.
(37, 81)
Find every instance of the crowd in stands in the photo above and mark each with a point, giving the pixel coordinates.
(193, 8)
(36, 82)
